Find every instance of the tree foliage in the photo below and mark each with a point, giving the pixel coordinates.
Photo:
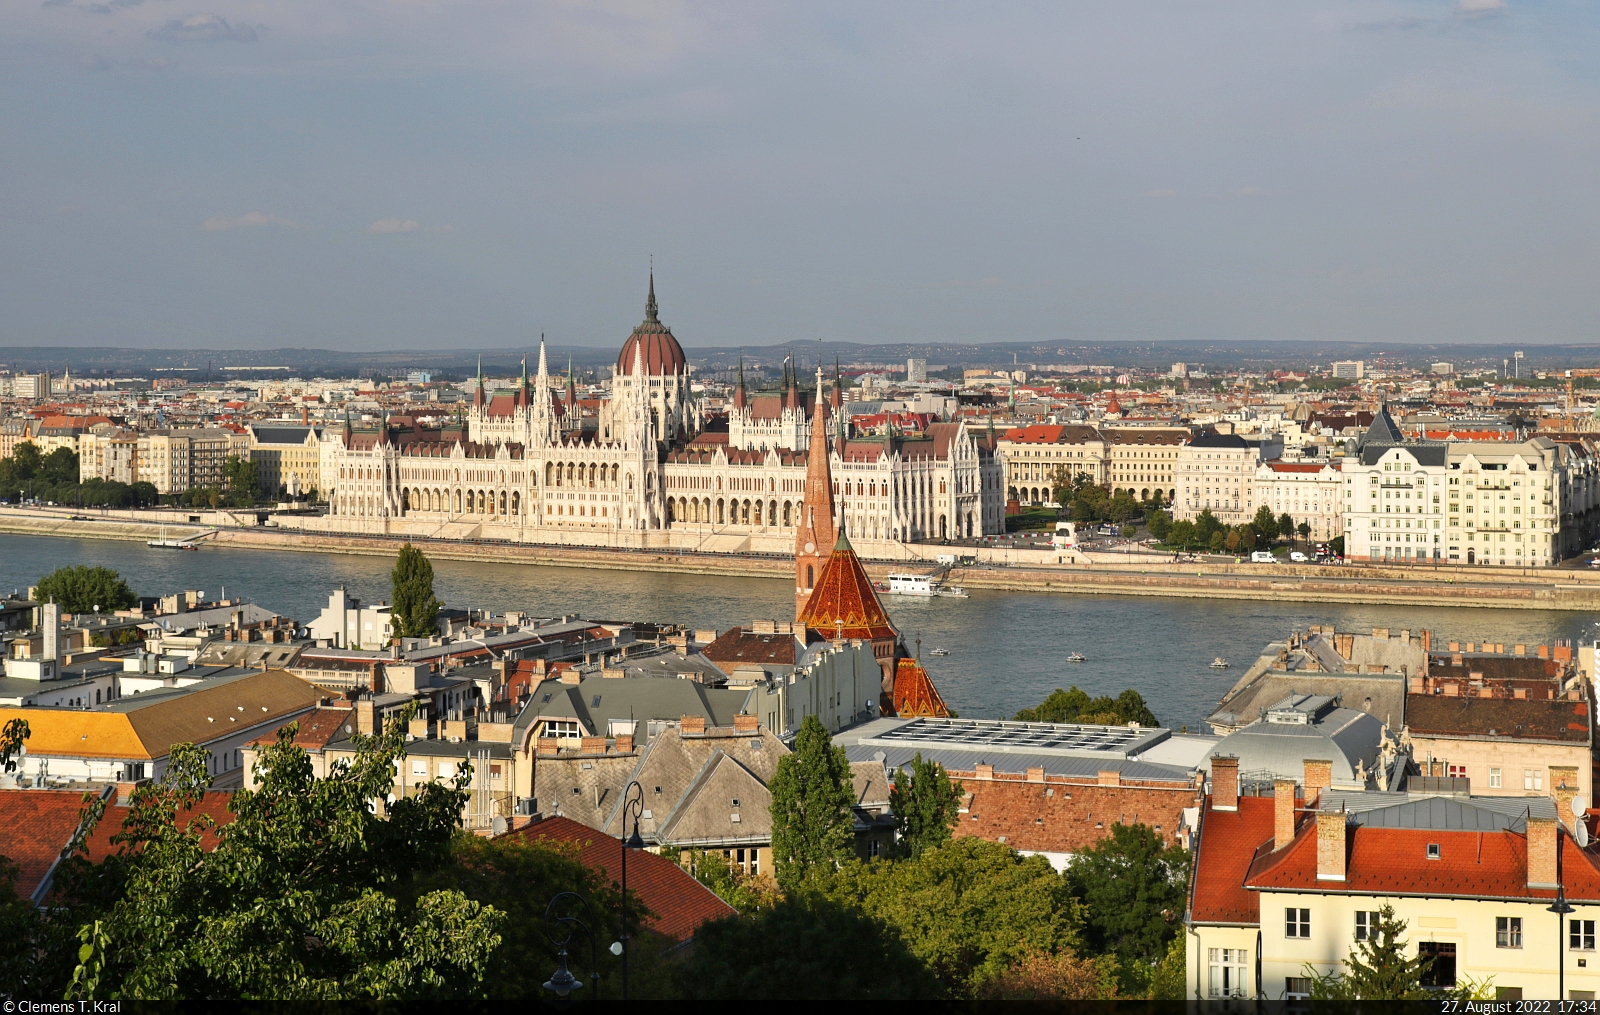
(1159, 523)
(1076, 706)
(1377, 968)
(303, 895)
(241, 476)
(924, 804)
(416, 610)
(731, 883)
(79, 588)
(812, 820)
(969, 909)
(1133, 886)
(1265, 523)
(1040, 976)
(805, 948)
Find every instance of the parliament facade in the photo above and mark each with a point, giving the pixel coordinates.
(646, 468)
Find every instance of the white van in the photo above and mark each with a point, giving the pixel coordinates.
(1262, 557)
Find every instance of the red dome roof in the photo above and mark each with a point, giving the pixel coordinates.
(663, 355)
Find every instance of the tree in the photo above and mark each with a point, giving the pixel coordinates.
(1159, 523)
(731, 883)
(1040, 976)
(58, 467)
(1182, 533)
(1377, 968)
(1133, 886)
(1305, 531)
(241, 476)
(1206, 525)
(1336, 545)
(1265, 524)
(968, 909)
(812, 823)
(1286, 526)
(1076, 706)
(415, 612)
(1168, 979)
(1217, 541)
(79, 588)
(1061, 488)
(924, 806)
(830, 951)
(1231, 541)
(303, 895)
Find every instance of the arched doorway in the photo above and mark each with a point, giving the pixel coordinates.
(1471, 556)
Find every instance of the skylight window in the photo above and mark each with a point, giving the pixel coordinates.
(1433, 851)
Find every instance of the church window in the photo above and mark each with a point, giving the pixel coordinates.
(811, 581)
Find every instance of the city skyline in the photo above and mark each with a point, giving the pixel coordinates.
(241, 174)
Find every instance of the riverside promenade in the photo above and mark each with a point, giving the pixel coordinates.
(1564, 589)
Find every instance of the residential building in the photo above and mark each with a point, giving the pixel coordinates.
(793, 672)
(32, 386)
(175, 461)
(1142, 459)
(1032, 454)
(345, 623)
(1393, 496)
(1308, 492)
(1350, 369)
(1216, 472)
(1503, 502)
(109, 453)
(287, 458)
(1285, 885)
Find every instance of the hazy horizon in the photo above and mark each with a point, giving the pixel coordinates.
(352, 175)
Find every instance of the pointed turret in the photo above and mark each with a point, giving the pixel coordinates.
(741, 399)
(572, 388)
(383, 428)
(522, 389)
(477, 394)
(650, 309)
(816, 531)
(791, 393)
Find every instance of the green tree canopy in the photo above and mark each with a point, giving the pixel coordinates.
(812, 823)
(1076, 706)
(805, 948)
(968, 909)
(302, 896)
(79, 588)
(1159, 523)
(1206, 526)
(1133, 886)
(415, 610)
(924, 804)
(1265, 524)
(1377, 968)
(1286, 526)
(241, 475)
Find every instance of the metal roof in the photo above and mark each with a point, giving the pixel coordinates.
(958, 759)
(1001, 737)
(1442, 813)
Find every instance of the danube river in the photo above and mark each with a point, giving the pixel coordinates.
(1007, 650)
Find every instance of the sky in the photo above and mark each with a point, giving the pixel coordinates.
(416, 174)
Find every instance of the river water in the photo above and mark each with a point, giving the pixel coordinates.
(1007, 650)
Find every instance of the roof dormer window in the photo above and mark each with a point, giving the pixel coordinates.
(1433, 851)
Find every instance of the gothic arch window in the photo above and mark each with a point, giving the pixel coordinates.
(811, 579)
(630, 481)
(721, 516)
(614, 475)
(772, 512)
(758, 513)
(502, 502)
(516, 503)
(786, 514)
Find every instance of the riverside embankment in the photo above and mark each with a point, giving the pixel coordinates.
(1523, 589)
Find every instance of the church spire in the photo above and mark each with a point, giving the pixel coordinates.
(650, 309)
(815, 534)
(477, 394)
(740, 397)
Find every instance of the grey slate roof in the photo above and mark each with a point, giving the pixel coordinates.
(1443, 813)
(283, 434)
(966, 760)
(596, 701)
(1344, 736)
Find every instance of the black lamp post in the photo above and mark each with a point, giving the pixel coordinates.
(562, 982)
(634, 806)
(1561, 908)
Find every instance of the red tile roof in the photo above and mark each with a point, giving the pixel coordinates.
(914, 693)
(736, 645)
(681, 903)
(843, 603)
(1228, 844)
(38, 823)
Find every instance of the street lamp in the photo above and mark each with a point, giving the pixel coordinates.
(1561, 909)
(635, 806)
(562, 982)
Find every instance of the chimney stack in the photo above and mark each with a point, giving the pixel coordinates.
(745, 723)
(692, 724)
(1225, 783)
(1542, 845)
(50, 625)
(1331, 832)
(1319, 776)
(1282, 812)
(366, 719)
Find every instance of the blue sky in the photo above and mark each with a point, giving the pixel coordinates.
(429, 174)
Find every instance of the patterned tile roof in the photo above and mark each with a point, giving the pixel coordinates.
(914, 693)
(843, 602)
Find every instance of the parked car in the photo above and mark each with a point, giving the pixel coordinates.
(1298, 557)
(1262, 557)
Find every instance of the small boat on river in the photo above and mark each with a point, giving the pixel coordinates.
(1219, 663)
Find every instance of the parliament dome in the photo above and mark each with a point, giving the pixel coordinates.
(662, 354)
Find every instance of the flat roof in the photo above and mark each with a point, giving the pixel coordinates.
(1003, 737)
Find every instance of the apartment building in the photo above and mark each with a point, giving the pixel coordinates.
(1216, 472)
(1143, 460)
(1309, 492)
(1033, 453)
(35, 386)
(287, 458)
(177, 460)
(1502, 501)
(108, 453)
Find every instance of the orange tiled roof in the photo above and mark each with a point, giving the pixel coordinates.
(680, 903)
(38, 823)
(914, 693)
(1228, 843)
(56, 731)
(843, 603)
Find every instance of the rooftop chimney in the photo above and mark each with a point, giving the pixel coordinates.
(366, 720)
(1282, 812)
(1225, 783)
(692, 724)
(1542, 845)
(1319, 776)
(745, 723)
(50, 624)
(1331, 832)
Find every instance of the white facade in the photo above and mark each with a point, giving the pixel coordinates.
(1308, 492)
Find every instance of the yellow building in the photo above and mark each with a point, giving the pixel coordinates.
(287, 457)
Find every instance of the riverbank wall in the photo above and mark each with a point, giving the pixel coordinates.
(1485, 588)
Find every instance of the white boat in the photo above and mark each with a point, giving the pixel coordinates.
(1219, 663)
(908, 584)
(950, 591)
(1077, 657)
(170, 544)
(940, 652)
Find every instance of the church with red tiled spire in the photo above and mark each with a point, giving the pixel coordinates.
(814, 536)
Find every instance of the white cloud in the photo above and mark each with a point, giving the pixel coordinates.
(394, 226)
(202, 28)
(249, 218)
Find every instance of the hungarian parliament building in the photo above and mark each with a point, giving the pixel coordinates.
(649, 467)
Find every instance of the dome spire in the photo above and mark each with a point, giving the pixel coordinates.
(650, 309)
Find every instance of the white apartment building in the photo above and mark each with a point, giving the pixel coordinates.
(1502, 503)
(175, 460)
(1216, 472)
(108, 453)
(345, 623)
(1309, 492)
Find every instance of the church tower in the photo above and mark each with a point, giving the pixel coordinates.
(814, 539)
